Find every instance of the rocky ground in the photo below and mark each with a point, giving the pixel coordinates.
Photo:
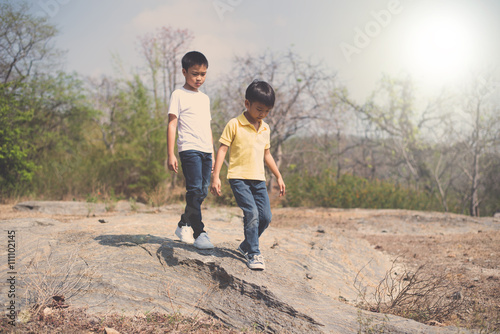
(318, 262)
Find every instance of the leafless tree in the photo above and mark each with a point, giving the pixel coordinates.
(391, 120)
(103, 96)
(478, 133)
(162, 51)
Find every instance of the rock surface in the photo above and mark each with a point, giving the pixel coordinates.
(131, 263)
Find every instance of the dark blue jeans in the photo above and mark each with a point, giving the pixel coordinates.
(252, 198)
(197, 168)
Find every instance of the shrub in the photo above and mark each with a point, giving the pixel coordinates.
(351, 191)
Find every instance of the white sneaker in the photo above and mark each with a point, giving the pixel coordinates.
(256, 262)
(185, 234)
(203, 242)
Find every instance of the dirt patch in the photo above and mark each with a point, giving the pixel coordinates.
(471, 262)
(467, 249)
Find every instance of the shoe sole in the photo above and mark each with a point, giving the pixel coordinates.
(256, 268)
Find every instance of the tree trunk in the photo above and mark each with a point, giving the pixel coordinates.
(474, 197)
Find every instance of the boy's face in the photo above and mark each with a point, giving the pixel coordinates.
(256, 111)
(195, 77)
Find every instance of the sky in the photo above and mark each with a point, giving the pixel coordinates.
(439, 43)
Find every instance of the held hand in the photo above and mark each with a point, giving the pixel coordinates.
(282, 186)
(172, 164)
(216, 188)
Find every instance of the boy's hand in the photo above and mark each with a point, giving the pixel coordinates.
(172, 164)
(216, 187)
(282, 186)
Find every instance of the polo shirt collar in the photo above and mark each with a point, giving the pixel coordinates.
(244, 122)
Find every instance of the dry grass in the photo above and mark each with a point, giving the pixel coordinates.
(52, 283)
(79, 321)
(430, 297)
(414, 294)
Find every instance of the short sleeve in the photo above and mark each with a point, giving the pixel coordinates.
(229, 132)
(268, 138)
(174, 106)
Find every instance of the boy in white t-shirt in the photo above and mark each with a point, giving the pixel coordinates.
(189, 110)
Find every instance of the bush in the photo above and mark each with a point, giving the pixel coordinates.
(351, 191)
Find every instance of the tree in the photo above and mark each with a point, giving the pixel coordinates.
(479, 131)
(391, 119)
(14, 146)
(162, 51)
(132, 134)
(25, 42)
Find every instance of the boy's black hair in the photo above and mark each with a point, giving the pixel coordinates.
(193, 58)
(260, 91)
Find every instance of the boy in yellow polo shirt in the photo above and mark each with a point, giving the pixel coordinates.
(249, 138)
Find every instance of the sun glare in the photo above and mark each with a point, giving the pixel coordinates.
(441, 47)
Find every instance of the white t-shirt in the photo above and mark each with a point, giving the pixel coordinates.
(193, 114)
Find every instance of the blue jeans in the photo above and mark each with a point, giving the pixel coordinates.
(197, 168)
(252, 198)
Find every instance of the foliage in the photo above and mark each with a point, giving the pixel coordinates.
(57, 130)
(132, 164)
(14, 146)
(353, 192)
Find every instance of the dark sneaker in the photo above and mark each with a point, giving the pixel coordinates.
(203, 242)
(256, 262)
(242, 252)
(185, 234)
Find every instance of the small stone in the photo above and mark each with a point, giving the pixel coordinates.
(457, 295)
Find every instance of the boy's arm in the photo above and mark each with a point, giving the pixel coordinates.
(171, 129)
(216, 186)
(269, 160)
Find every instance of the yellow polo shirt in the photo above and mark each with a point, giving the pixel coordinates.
(246, 148)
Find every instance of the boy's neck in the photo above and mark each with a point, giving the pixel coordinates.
(254, 122)
(188, 87)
